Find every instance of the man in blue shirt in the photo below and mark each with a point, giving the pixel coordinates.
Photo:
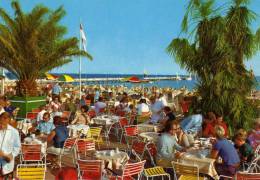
(56, 90)
(224, 149)
(45, 126)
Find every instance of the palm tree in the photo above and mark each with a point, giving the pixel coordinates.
(33, 43)
(215, 50)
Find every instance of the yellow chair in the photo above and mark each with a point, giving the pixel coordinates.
(155, 172)
(143, 118)
(186, 171)
(31, 171)
(95, 134)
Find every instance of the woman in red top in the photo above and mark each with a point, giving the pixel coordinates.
(209, 131)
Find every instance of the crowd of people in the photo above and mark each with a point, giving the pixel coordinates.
(178, 133)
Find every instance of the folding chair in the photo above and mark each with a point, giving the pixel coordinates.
(66, 114)
(68, 148)
(32, 153)
(247, 176)
(131, 171)
(130, 132)
(36, 110)
(91, 113)
(186, 171)
(83, 146)
(122, 123)
(89, 169)
(31, 115)
(156, 171)
(95, 134)
(31, 171)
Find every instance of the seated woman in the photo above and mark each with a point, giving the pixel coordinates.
(185, 140)
(224, 149)
(254, 135)
(57, 136)
(209, 130)
(245, 151)
(168, 115)
(167, 145)
(82, 116)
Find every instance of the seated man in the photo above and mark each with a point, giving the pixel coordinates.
(245, 151)
(156, 109)
(225, 149)
(58, 136)
(167, 145)
(169, 115)
(99, 105)
(209, 130)
(45, 126)
(192, 124)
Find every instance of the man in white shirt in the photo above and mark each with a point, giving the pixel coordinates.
(10, 145)
(162, 98)
(99, 105)
(157, 110)
(142, 107)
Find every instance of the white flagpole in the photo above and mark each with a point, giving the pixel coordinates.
(80, 47)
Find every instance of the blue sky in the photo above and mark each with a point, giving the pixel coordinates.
(126, 36)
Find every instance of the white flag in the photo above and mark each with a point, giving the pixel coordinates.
(83, 38)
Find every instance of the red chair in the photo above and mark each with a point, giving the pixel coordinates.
(32, 153)
(122, 123)
(130, 132)
(89, 169)
(139, 148)
(121, 113)
(31, 115)
(66, 114)
(83, 146)
(68, 148)
(88, 102)
(152, 151)
(36, 110)
(129, 170)
(247, 176)
(91, 113)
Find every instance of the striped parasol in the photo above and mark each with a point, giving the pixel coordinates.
(65, 78)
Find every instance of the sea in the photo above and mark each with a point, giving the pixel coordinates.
(189, 84)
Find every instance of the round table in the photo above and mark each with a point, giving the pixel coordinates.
(150, 136)
(114, 157)
(106, 119)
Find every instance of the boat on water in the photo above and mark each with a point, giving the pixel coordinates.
(188, 78)
(178, 78)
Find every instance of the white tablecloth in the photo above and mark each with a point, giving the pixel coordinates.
(146, 127)
(150, 136)
(114, 157)
(77, 129)
(106, 119)
(199, 157)
(24, 125)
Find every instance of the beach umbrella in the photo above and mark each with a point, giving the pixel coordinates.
(65, 78)
(134, 79)
(51, 76)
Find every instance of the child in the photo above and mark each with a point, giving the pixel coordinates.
(245, 150)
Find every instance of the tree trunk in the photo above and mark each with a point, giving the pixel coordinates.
(26, 88)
